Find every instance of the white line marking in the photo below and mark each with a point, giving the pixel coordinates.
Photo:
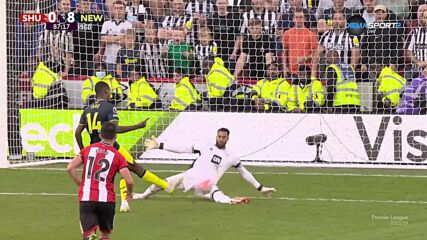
(261, 198)
(38, 194)
(274, 173)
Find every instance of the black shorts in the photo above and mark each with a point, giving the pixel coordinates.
(97, 214)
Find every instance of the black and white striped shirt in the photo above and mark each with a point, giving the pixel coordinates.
(205, 8)
(54, 45)
(417, 43)
(155, 65)
(185, 20)
(139, 13)
(269, 22)
(342, 42)
(203, 52)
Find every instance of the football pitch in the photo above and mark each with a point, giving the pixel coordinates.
(310, 203)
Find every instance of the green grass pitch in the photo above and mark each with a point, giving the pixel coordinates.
(311, 203)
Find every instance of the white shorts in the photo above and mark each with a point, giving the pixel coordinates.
(200, 181)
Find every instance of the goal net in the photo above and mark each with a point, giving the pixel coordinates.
(297, 82)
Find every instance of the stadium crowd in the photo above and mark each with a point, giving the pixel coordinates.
(300, 55)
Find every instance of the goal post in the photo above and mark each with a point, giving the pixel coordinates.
(3, 87)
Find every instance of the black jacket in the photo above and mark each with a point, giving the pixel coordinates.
(382, 45)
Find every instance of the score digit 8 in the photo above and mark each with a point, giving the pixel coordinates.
(70, 17)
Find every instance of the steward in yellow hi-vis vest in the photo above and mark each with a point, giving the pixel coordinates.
(306, 94)
(141, 93)
(342, 89)
(314, 95)
(295, 102)
(391, 86)
(219, 83)
(186, 96)
(48, 89)
(88, 90)
(42, 80)
(270, 94)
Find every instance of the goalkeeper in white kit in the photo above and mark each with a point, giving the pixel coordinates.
(213, 161)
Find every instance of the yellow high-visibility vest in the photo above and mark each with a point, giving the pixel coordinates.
(272, 91)
(142, 94)
(346, 88)
(185, 95)
(296, 98)
(391, 85)
(218, 79)
(42, 80)
(314, 91)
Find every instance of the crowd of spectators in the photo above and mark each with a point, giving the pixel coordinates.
(156, 37)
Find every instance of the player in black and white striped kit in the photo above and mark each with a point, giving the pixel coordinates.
(204, 8)
(213, 161)
(268, 18)
(56, 46)
(55, 49)
(178, 18)
(340, 40)
(153, 54)
(205, 48)
(200, 11)
(138, 14)
(269, 23)
(416, 49)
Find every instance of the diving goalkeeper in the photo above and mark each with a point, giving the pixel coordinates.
(213, 161)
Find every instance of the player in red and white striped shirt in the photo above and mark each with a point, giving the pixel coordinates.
(101, 161)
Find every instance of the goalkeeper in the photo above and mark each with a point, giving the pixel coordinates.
(92, 119)
(213, 161)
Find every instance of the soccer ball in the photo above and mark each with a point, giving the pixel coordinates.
(204, 186)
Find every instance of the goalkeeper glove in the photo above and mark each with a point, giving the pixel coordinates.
(151, 143)
(266, 190)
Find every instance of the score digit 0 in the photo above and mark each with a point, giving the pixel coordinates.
(52, 17)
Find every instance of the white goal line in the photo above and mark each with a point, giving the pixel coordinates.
(273, 173)
(258, 198)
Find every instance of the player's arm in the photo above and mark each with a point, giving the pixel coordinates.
(113, 116)
(251, 180)
(125, 129)
(129, 181)
(72, 168)
(240, 64)
(154, 144)
(78, 135)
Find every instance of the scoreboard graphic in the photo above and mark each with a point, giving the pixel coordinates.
(63, 21)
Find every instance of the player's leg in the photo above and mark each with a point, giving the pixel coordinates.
(91, 237)
(124, 205)
(146, 175)
(219, 197)
(88, 220)
(106, 213)
(140, 172)
(174, 181)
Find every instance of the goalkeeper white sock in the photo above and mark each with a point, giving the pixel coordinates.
(150, 191)
(220, 197)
